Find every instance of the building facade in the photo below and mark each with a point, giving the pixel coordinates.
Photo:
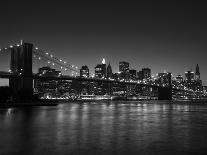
(84, 72)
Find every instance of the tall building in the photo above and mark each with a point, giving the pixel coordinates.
(198, 81)
(109, 71)
(178, 81)
(179, 78)
(189, 76)
(124, 70)
(189, 80)
(123, 67)
(163, 78)
(140, 75)
(47, 71)
(84, 71)
(100, 70)
(197, 73)
(43, 86)
(146, 73)
(133, 74)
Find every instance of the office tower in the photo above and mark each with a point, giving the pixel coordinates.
(84, 71)
(140, 75)
(146, 73)
(123, 67)
(189, 76)
(179, 78)
(133, 74)
(197, 73)
(100, 70)
(109, 71)
(44, 85)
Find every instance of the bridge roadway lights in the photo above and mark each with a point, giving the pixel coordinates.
(21, 64)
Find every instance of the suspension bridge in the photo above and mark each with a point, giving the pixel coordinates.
(21, 76)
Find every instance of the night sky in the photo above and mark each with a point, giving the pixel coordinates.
(159, 35)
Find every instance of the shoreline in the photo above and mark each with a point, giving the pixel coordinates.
(39, 103)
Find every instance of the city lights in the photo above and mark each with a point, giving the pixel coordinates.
(191, 85)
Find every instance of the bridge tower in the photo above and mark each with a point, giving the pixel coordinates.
(165, 93)
(21, 65)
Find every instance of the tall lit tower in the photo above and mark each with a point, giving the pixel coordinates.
(100, 69)
(109, 71)
(197, 73)
(123, 67)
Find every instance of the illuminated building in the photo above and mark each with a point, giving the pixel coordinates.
(123, 67)
(189, 76)
(146, 73)
(124, 70)
(131, 89)
(43, 86)
(178, 82)
(205, 89)
(84, 72)
(100, 70)
(140, 75)
(179, 78)
(109, 71)
(190, 82)
(197, 73)
(163, 78)
(198, 82)
(133, 74)
(47, 71)
(65, 86)
(100, 88)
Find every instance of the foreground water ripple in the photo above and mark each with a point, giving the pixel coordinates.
(152, 127)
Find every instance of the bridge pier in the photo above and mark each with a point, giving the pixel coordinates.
(21, 65)
(165, 93)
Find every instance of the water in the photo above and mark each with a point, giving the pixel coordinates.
(105, 128)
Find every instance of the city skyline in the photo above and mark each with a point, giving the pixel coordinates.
(158, 35)
(92, 70)
(103, 77)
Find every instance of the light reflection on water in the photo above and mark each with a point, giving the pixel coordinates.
(105, 128)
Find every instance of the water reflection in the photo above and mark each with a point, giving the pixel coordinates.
(104, 128)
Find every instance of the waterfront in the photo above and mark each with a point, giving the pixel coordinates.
(122, 127)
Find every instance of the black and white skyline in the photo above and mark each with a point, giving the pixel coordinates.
(167, 36)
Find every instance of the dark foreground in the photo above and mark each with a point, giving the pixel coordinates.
(105, 128)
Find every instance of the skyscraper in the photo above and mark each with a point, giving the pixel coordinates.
(198, 82)
(197, 73)
(146, 73)
(100, 70)
(109, 71)
(189, 80)
(46, 86)
(140, 75)
(189, 76)
(123, 67)
(133, 74)
(179, 78)
(124, 70)
(84, 71)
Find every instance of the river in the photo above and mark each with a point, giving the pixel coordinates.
(121, 127)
